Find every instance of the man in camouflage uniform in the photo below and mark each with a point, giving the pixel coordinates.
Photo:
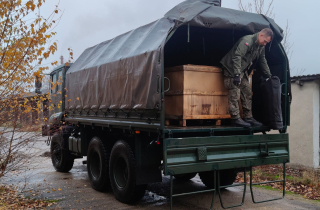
(235, 65)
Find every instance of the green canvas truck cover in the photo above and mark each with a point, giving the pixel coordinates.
(125, 72)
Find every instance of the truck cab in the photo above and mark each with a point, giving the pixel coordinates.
(56, 100)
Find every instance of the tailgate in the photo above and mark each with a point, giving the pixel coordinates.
(197, 154)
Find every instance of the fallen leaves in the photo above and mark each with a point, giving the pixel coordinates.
(11, 199)
(300, 181)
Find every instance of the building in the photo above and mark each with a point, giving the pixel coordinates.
(304, 126)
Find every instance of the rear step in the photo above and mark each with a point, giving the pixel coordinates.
(244, 184)
(215, 153)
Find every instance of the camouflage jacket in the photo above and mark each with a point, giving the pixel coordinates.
(241, 56)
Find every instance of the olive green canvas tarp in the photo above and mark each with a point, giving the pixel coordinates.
(125, 72)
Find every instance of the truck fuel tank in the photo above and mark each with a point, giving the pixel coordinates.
(75, 144)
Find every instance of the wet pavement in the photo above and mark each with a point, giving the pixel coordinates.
(72, 190)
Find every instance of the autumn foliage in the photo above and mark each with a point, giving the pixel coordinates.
(301, 181)
(26, 42)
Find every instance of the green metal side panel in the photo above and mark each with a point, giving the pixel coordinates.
(197, 154)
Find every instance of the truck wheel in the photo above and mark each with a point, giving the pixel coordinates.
(185, 177)
(123, 174)
(227, 177)
(61, 159)
(98, 165)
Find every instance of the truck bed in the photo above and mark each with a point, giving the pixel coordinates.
(215, 128)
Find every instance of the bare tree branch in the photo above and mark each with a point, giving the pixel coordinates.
(259, 8)
(287, 45)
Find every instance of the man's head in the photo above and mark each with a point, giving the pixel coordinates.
(265, 36)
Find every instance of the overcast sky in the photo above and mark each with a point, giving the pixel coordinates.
(87, 23)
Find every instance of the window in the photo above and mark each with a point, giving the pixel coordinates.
(54, 81)
(60, 79)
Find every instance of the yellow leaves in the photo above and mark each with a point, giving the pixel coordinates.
(33, 7)
(46, 55)
(5, 65)
(37, 74)
(25, 43)
(77, 98)
(39, 52)
(30, 5)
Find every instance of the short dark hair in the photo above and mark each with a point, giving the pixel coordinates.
(267, 32)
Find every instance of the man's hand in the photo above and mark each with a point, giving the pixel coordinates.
(236, 80)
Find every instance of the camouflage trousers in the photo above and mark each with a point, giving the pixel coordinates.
(236, 93)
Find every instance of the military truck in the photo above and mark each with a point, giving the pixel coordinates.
(110, 106)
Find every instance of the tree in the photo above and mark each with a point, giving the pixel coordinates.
(258, 6)
(26, 41)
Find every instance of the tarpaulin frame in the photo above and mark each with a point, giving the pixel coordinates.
(144, 61)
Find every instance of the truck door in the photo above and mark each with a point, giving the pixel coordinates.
(56, 91)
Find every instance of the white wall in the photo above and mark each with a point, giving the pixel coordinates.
(304, 128)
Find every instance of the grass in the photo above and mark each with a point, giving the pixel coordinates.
(45, 200)
(273, 189)
(305, 182)
(52, 201)
(309, 177)
(287, 192)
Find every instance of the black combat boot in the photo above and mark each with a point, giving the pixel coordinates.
(253, 122)
(240, 123)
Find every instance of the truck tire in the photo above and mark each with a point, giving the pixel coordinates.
(123, 174)
(185, 177)
(61, 158)
(227, 177)
(98, 165)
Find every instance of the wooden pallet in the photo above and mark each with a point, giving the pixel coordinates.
(183, 123)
